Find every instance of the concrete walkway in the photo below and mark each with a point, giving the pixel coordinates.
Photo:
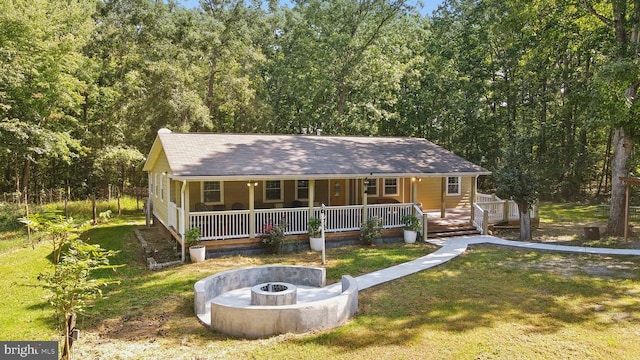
(452, 247)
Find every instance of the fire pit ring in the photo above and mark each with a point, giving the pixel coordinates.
(274, 294)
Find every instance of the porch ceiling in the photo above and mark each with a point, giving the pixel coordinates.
(193, 155)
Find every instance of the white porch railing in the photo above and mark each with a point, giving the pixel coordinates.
(502, 210)
(294, 219)
(481, 219)
(219, 225)
(391, 214)
(176, 214)
(341, 218)
(173, 215)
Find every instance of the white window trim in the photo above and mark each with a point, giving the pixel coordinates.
(384, 187)
(155, 184)
(221, 202)
(459, 186)
(299, 198)
(377, 188)
(264, 192)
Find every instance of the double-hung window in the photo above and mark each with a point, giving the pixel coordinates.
(453, 185)
(273, 191)
(302, 190)
(212, 192)
(372, 187)
(391, 187)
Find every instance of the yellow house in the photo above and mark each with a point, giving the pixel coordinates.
(232, 185)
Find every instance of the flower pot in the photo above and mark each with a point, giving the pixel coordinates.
(197, 253)
(315, 243)
(410, 236)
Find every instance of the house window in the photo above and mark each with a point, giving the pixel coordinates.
(372, 187)
(155, 184)
(302, 189)
(273, 191)
(162, 179)
(391, 186)
(212, 192)
(453, 185)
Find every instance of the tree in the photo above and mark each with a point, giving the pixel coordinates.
(40, 94)
(71, 287)
(516, 180)
(622, 17)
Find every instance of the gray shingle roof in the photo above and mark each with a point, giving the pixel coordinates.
(204, 154)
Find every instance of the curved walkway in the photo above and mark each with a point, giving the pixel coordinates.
(452, 247)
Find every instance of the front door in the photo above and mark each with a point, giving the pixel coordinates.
(337, 192)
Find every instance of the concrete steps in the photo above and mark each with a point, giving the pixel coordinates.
(451, 232)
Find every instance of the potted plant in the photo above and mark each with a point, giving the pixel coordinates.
(314, 227)
(411, 227)
(197, 252)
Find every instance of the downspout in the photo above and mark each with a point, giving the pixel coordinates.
(474, 196)
(148, 205)
(185, 216)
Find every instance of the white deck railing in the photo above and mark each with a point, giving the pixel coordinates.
(341, 218)
(502, 210)
(481, 218)
(173, 215)
(219, 225)
(294, 219)
(391, 214)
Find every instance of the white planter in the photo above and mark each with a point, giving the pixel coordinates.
(410, 236)
(315, 243)
(197, 253)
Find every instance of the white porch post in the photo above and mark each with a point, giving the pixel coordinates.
(364, 201)
(474, 185)
(252, 205)
(443, 198)
(312, 192)
(184, 203)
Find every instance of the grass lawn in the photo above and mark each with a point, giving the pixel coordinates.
(490, 303)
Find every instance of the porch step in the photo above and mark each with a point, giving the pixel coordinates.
(457, 231)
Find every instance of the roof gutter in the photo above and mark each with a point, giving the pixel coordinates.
(321, 176)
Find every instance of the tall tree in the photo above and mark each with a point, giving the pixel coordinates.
(623, 19)
(40, 91)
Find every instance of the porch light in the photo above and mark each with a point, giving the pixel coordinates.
(336, 189)
(254, 183)
(414, 179)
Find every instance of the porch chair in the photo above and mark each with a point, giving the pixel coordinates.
(237, 206)
(201, 207)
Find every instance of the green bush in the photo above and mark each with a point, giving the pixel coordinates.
(9, 215)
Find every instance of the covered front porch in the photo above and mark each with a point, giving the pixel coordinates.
(237, 219)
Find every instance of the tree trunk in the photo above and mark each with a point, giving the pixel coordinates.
(622, 149)
(525, 222)
(24, 180)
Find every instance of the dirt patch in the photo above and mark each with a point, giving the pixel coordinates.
(135, 327)
(603, 267)
(160, 245)
(560, 233)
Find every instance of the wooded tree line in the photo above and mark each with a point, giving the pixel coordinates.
(85, 85)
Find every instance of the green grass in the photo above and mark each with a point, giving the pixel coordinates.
(489, 303)
(569, 212)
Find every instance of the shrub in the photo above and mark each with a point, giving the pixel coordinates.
(273, 236)
(371, 230)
